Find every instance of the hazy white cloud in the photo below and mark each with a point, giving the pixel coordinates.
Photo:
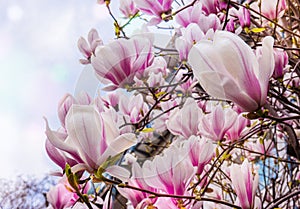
(14, 13)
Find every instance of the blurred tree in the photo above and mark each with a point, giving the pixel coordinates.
(25, 192)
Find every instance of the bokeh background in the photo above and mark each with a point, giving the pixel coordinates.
(38, 65)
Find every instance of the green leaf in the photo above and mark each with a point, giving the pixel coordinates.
(72, 178)
(109, 162)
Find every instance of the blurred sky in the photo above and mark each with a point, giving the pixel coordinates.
(38, 65)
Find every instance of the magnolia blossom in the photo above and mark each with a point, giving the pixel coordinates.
(184, 121)
(87, 49)
(159, 65)
(137, 180)
(195, 14)
(171, 172)
(236, 130)
(132, 107)
(160, 123)
(128, 8)
(189, 15)
(230, 26)
(281, 63)
(215, 124)
(211, 6)
(262, 146)
(67, 101)
(190, 35)
(92, 137)
(59, 157)
(227, 68)
(61, 195)
(156, 8)
(244, 183)
(243, 15)
(131, 59)
(111, 99)
(210, 22)
(272, 9)
(186, 88)
(156, 79)
(200, 152)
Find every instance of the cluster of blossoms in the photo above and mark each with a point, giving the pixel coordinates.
(209, 118)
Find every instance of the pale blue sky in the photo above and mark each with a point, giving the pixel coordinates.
(38, 65)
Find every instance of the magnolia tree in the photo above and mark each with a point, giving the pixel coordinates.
(198, 108)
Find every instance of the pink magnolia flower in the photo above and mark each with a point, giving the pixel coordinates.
(183, 47)
(210, 6)
(244, 183)
(137, 197)
(132, 108)
(184, 121)
(156, 79)
(157, 8)
(160, 123)
(215, 124)
(270, 9)
(159, 65)
(61, 195)
(190, 35)
(209, 22)
(170, 172)
(87, 49)
(227, 68)
(64, 196)
(281, 62)
(67, 101)
(230, 26)
(195, 14)
(236, 130)
(108, 100)
(59, 157)
(243, 15)
(260, 146)
(92, 137)
(134, 55)
(200, 152)
(128, 8)
(186, 87)
(155, 75)
(189, 15)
